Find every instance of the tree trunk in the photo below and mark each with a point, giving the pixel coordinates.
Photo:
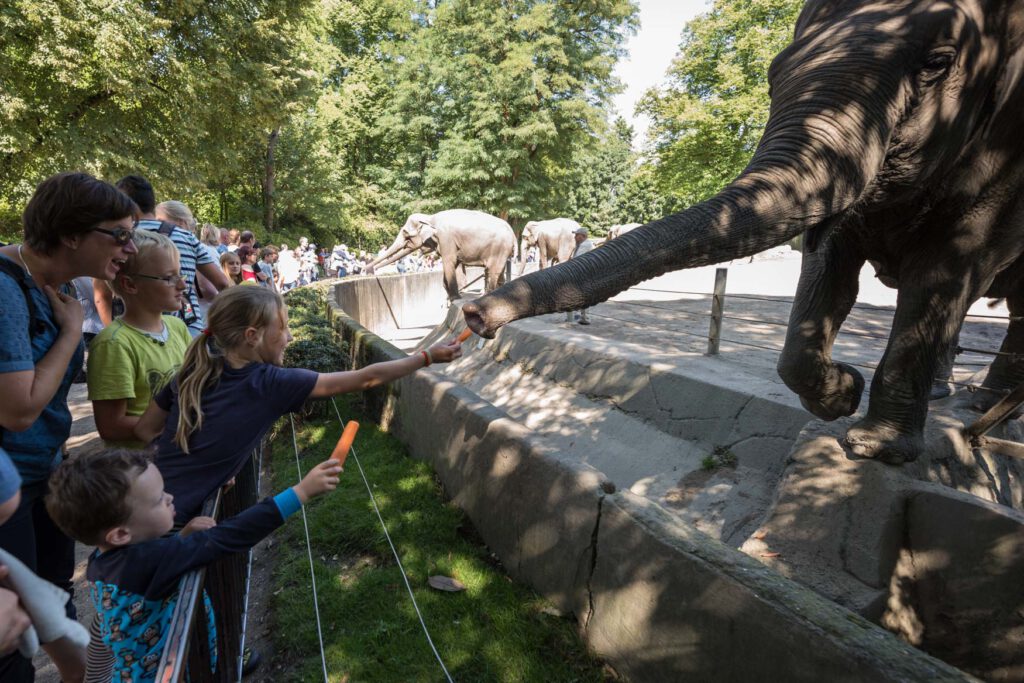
(268, 183)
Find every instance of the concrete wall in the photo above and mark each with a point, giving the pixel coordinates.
(657, 599)
(386, 303)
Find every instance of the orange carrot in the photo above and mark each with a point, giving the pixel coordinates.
(345, 442)
(465, 335)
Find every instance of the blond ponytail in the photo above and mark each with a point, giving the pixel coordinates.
(234, 310)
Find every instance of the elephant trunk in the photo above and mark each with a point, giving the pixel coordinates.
(797, 180)
(388, 260)
(397, 246)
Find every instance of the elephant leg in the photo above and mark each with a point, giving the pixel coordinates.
(825, 294)
(494, 273)
(1007, 370)
(451, 281)
(941, 387)
(929, 313)
(460, 276)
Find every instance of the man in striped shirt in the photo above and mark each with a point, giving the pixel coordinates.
(194, 257)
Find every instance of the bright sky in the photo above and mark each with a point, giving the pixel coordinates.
(650, 52)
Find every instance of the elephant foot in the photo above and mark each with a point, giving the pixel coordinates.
(844, 388)
(940, 389)
(871, 439)
(984, 400)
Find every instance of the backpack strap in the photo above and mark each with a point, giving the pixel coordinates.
(17, 273)
(166, 228)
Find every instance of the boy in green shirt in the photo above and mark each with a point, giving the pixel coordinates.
(138, 353)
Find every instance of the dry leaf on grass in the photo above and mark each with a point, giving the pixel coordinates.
(444, 583)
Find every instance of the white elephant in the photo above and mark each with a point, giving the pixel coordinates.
(463, 238)
(553, 238)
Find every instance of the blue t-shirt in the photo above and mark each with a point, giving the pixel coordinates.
(237, 412)
(34, 451)
(10, 481)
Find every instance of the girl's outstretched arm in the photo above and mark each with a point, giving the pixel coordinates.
(151, 423)
(334, 383)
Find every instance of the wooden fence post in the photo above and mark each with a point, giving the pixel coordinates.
(717, 304)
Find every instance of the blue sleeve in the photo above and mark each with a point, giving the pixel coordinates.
(235, 535)
(10, 482)
(15, 345)
(287, 503)
(289, 387)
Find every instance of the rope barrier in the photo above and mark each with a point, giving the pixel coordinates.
(398, 560)
(971, 388)
(309, 551)
(789, 299)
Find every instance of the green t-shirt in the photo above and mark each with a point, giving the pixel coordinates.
(125, 362)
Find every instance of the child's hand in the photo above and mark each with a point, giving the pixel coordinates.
(320, 480)
(445, 353)
(197, 524)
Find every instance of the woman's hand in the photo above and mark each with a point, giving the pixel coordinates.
(13, 619)
(67, 312)
(445, 353)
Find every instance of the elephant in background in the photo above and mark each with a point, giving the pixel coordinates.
(617, 230)
(893, 138)
(553, 238)
(463, 238)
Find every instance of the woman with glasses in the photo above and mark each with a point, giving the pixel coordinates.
(74, 225)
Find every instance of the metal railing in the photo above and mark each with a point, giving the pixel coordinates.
(226, 582)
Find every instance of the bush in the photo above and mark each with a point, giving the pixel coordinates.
(315, 346)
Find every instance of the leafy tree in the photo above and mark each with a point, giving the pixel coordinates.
(496, 95)
(599, 176)
(707, 119)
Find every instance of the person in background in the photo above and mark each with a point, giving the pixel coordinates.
(266, 264)
(247, 239)
(250, 271)
(178, 214)
(233, 237)
(91, 323)
(73, 225)
(209, 237)
(139, 352)
(583, 245)
(287, 270)
(194, 257)
(225, 240)
(232, 266)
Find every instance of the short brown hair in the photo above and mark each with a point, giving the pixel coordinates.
(89, 492)
(70, 204)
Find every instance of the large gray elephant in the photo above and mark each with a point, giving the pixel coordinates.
(893, 137)
(553, 238)
(463, 238)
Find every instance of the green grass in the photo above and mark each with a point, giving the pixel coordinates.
(495, 630)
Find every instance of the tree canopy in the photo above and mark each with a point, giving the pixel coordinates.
(338, 118)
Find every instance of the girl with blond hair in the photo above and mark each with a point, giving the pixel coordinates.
(232, 387)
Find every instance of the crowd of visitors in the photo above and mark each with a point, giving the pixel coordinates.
(186, 336)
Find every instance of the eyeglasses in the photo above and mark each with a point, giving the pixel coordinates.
(169, 280)
(121, 235)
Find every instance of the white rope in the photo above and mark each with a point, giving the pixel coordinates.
(309, 550)
(393, 550)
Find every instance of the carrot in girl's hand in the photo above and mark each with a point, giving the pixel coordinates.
(345, 442)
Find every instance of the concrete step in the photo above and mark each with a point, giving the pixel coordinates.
(653, 427)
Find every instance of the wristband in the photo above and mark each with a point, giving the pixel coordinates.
(426, 358)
